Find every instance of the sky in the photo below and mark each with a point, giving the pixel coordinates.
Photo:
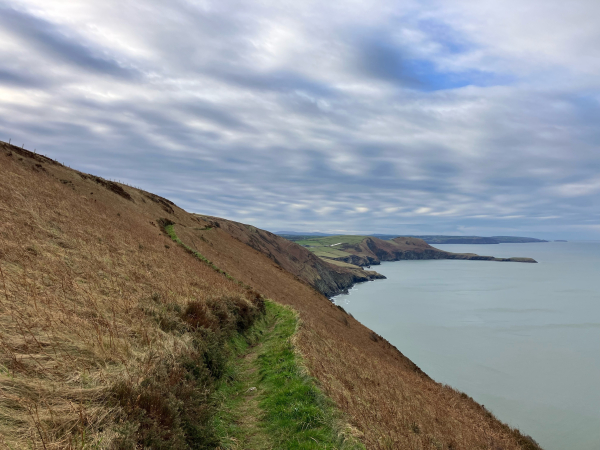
(415, 117)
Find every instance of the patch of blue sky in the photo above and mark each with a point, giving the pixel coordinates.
(587, 105)
(425, 75)
(449, 39)
(430, 78)
(381, 56)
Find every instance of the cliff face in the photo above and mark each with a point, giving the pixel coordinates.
(325, 277)
(322, 273)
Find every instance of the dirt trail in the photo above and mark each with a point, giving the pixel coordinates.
(249, 412)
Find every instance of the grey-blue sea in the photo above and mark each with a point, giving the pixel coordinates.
(522, 339)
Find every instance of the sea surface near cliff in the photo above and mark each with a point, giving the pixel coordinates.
(522, 339)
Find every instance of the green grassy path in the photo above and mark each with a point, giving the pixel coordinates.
(266, 401)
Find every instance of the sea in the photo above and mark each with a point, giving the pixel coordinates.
(521, 339)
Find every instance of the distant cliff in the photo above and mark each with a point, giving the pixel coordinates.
(326, 276)
(430, 239)
(478, 240)
(371, 251)
(333, 264)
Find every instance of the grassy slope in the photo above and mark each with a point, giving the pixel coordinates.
(328, 252)
(283, 408)
(342, 264)
(319, 273)
(331, 240)
(322, 247)
(355, 245)
(89, 281)
(383, 392)
(99, 343)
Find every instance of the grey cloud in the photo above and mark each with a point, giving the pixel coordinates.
(215, 114)
(60, 43)
(279, 80)
(381, 59)
(19, 79)
(254, 113)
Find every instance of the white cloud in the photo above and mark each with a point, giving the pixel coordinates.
(579, 189)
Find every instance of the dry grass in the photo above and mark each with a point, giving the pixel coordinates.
(90, 295)
(93, 297)
(401, 408)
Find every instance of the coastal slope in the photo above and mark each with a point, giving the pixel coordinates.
(330, 277)
(112, 333)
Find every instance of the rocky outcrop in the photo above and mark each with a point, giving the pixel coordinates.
(362, 261)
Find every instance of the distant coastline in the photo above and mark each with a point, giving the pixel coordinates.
(355, 253)
(430, 239)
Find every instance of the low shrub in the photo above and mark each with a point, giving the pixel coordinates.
(169, 409)
(197, 314)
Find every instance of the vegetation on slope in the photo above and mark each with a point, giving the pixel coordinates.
(328, 241)
(328, 278)
(111, 337)
(391, 403)
(285, 409)
(81, 260)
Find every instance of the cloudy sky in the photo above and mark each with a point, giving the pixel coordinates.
(431, 116)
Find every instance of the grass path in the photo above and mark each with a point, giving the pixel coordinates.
(242, 408)
(267, 401)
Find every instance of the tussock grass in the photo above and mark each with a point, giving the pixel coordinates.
(297, 413)
(108, 339)
(402, 409)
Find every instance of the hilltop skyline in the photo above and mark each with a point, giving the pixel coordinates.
(421, 118)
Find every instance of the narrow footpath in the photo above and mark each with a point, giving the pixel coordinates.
(267, 402)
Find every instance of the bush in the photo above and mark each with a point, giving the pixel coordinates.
(171, 408)
(197, 314)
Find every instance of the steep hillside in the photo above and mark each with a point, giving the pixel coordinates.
(101, 343)
(325, 276)
(112, 334)
(366, 251)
